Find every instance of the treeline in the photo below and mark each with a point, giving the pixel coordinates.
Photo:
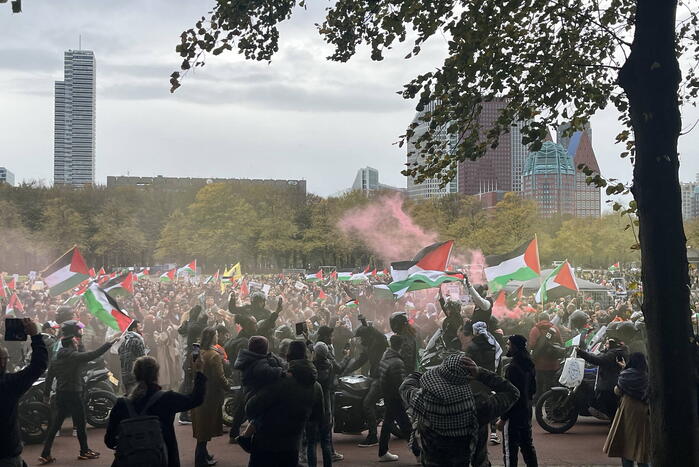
(266, 229)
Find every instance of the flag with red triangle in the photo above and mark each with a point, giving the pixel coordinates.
(318, 276)
(244, 290)
(66, 272)
(559, 283)
(190, 269)
(14, 306)
(168, 276)
(101, 272)
(11, 285)
(120, 285)
(367, 269)
(321, 295)
(333, 275)
(92, 272)
(373, 273)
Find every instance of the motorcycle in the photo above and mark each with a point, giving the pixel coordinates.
(558, 409)
(98, 401)
(435, 352)
(348, 411)
(34, 414)
(231, 399)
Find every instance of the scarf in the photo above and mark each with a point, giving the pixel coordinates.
(634, 383)
(445, 403)
(480, 328)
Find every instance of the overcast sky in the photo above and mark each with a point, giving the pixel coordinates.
(299, 117)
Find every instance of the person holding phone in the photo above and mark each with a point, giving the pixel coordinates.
(12, 387)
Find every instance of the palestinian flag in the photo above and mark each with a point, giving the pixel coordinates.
(585, 336)
(344, 276)
(614, 267)
(190, 269)
(244, 289)
(431, 258)
(367, 269)
(92, 272)
(103, 307)
(382, 273)
(322, 296)
(359, 278)
(144, 272)
(519, 265)
(354, 303)
(373, 273)
(333, 275)
(120, 285)
(12, 284)
(168, 276)
(318, 276)
(105, 278)
(515, 298)
(66, 272)
(212, 278)
(101, 272)
(559, 283)
(14, 306)
(424, 280)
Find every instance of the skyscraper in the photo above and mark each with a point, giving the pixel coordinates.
(549, 179)
(500, 168)
(429, 188)
(74, 121)
(565, 140)
(587, 197)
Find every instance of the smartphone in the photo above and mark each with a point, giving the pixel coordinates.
(14, 330)
(301, 328)
(195, 352)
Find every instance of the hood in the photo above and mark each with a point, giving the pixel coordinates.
(246, 358)
(390, 353)
(303, 371)
(544, 325)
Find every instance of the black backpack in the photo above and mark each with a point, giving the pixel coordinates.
(545, 347)
(141, 441)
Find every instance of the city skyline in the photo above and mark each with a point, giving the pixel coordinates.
(225, 112)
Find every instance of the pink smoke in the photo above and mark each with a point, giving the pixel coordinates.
(472, 262)
(386, 229)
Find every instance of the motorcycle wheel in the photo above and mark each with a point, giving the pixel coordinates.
(34, 418)
(555, 412)
(229, 406)
(98, 406)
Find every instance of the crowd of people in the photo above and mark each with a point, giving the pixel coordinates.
(286, 343)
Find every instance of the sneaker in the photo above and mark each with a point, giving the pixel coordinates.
(75, 433)
(369, 442)
(494, 438)
(183, 420)
(337, 457)
(388, 457)
(89, 454)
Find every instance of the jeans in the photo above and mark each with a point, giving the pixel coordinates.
(369, 406)
(394, 413)
(67, 403)
(518, 437)
(316, 433)
(630, 463)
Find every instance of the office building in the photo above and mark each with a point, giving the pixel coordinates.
(587, 197)
(7, 177)
(500, 168)
(688, 191)
(549, 179)
(564, 140)
(367, 181)
(74, 121)
(429, 188)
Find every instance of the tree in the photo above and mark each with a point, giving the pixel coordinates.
(63, 226)
(549, 60)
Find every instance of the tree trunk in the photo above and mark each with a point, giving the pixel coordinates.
(650, 78)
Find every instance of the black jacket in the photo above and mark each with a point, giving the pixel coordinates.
(165, 409)
(67, 369)
(283, 408)
(258, 370)
(521, 373)
(391, 373)
(501, 396)
(12, 387)
(482, 352)
(608, 372)
(409, 352)
(374, 344)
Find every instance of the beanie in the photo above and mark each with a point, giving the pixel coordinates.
(258, 344)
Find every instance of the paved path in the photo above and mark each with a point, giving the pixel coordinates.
(581, 446)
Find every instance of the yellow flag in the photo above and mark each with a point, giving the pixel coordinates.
(237, 272)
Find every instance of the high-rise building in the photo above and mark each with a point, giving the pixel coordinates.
(500, 168)
(687, 190)
(565, 140)
(430, 188)
(367, 181)
(549, 179)
(74, 121)
(6, 176)
(587, 197)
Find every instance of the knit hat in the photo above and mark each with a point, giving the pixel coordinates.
(297, 351)
(321, 350)
(324, 332)
(258, 344)
(519, 342)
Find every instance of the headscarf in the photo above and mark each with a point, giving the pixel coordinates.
(481, 328)
(634, 382)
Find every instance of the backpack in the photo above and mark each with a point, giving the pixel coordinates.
(141, 442)
(545, 347)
